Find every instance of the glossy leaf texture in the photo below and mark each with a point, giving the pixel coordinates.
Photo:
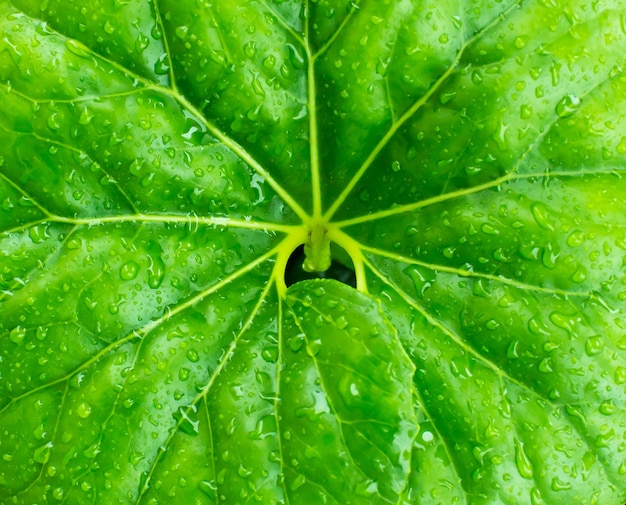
(159, 163)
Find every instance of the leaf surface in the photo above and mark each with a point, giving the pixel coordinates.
(161, 161)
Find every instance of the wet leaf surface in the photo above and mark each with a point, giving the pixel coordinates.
(461, 165)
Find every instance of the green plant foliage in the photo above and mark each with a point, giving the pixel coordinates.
(161, 160)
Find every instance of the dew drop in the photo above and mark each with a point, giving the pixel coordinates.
(156, 271)
(182, 32)
(17, 335)
(208, 488)
(42, 453)
(136, 457)
(594, 345)
(542, 215)
(129, 270)
(524, 465)
(109, 27)
(183, 374)
(559, 485)
(83, 410)
(567, 106)
(620, 375)
(53, 122)
(607, 408)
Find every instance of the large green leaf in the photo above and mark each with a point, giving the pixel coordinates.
(161, 160)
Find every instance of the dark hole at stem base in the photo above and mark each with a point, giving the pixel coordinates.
(338, 270)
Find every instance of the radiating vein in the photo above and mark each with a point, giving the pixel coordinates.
(239, 150)
(473, 274)
(37, 268)
(332, 407)
(409, 114)
(99, 165)
(453, 336)
(29, 198)
(23, 227)
(501, 373)
(297, 36)
(159, 22)
(76, 99)
(225, 358)
(313, 127)
(234, 146)
(279, 365)
(52, 438)
(426, 202)
(148, 327)
(355, 6)
(192, 220)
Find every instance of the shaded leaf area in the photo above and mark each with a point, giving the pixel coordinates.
(159, 163)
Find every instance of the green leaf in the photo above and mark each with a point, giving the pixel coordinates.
(161, 161)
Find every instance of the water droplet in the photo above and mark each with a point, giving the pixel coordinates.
(520, 42)
(182, 32)
(341, 322)
(270, 61)
(524, 465)
(580, 275)
(17, 335)
(295, 343)
(313, 348)
(567, 105)
(136, 457)
(560, 485)
(109, 27)
(42, 453)
(38, 233)
(526, 111)
(607, 408)
(129, 270)
(208, 488)
(250, 49)
(349, 391)
(594, 345)
(512, 350)
(141, 43)
(162, 66)
(193, 356)
(620, 375)
(420, 281)
(183, 374)
(53, 122)
(541, 213)
(156, 270)
(270, 354)
(297, 483)
(83, 410)
(535, 497)
(58, 493)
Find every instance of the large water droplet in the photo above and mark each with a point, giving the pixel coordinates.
(567, 105)
(17, 335)
(129, 270)
(83, 410)
(524, 465)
